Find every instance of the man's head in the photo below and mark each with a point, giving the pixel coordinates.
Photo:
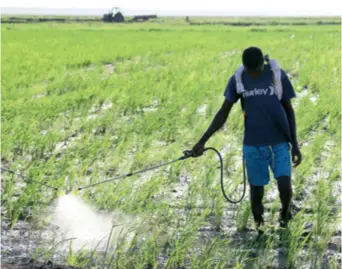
(253, 60)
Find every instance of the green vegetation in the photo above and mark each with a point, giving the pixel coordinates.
(192, 20)
(80, 99)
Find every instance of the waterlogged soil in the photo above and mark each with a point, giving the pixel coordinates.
(26, 241)
(44, 242)
(19, 244)
(32, 264)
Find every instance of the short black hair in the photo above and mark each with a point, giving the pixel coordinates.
(252, 58)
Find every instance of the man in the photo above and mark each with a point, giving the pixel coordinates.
(270, 129)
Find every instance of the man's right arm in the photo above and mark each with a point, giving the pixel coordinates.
(218, 121)
(220, 118)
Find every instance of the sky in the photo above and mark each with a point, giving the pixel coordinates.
(184, 7)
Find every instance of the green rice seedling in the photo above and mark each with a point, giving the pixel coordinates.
(333, 263)
(218, 210)
(215, 253)
(325, 220)
(183, 243)
(152, 248)
(243, 216)
(71, 259)
(293, 241)
(238, 266)
(82, 115)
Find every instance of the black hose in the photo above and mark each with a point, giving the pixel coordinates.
(221, 175)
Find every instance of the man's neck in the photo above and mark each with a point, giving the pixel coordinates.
(254, 74)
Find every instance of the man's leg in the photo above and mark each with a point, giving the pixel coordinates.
(258, 176)
(281, 166)
(285, 193)
(257, 193)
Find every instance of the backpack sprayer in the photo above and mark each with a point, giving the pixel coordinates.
(187, 154)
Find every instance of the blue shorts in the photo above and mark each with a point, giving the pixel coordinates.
(260, 159)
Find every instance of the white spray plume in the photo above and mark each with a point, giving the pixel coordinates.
(90, 228)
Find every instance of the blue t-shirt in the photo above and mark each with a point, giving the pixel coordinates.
(266, 121)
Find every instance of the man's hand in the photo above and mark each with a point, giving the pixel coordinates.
(296, 155)
(196, 151)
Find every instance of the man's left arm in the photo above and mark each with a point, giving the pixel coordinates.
(292, 121)
(288, 93)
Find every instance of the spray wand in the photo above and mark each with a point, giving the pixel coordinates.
(187, 154)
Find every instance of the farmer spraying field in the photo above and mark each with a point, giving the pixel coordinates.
(265, 93)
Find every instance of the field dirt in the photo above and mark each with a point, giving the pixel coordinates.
(32, 264)
(19, 243)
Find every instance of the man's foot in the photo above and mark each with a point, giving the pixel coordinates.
(261, 237)
(260, 227)
(260, 233)
(284, 220)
